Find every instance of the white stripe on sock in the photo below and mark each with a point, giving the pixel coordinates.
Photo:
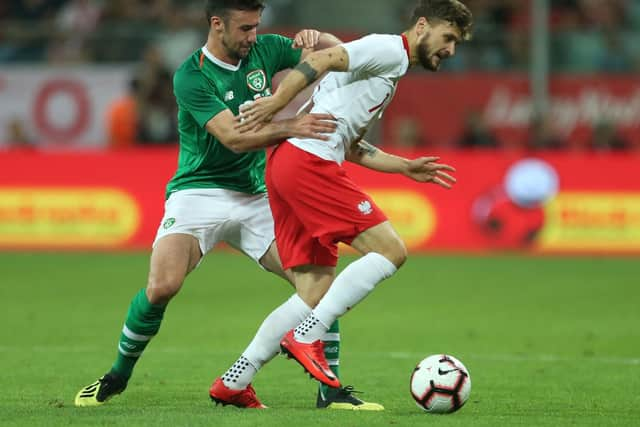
(333, 362)
(133, 336)
(128, 354)
(333, 336)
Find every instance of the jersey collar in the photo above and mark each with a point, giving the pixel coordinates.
(405, 43)
(218, 62)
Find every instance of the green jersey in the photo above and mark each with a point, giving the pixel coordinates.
(203, 88)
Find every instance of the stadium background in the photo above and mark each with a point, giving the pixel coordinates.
(87, 108)
(88, 142)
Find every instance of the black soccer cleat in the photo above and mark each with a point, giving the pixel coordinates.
(97, 393)
(343, 398)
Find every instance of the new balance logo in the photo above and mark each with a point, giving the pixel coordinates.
(365, 207)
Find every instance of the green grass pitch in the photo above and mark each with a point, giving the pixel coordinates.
(548, 342)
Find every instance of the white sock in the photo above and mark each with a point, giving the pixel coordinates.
(351, 286)
(266, 343)
(237, 375)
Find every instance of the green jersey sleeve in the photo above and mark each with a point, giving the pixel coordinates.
(196, 96)
(288, 57)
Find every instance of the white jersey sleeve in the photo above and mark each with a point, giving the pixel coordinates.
(377, 54)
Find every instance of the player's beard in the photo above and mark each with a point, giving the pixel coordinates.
(236, 51)
(425, 57)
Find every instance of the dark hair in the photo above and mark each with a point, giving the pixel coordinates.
(453, 11)
(222, 7)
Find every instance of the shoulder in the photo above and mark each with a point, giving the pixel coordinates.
(377, 53)
(271, 42)
(273, 39)
(189, 74)
(379, 42)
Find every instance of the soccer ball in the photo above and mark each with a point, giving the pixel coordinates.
(440, 384)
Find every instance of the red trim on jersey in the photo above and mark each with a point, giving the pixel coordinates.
(201, 59)
(405, 43)
(377, 107)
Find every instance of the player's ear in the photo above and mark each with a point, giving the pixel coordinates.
(216, 23)
(422, 25)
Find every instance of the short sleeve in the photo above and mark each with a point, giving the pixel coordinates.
(195, 96)
(281, 49)
(377, 54)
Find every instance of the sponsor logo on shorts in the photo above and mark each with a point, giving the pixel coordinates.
(257, 80)
(168, 223)
(365, 207)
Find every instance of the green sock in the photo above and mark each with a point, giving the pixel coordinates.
(332, 351)
(143, 322)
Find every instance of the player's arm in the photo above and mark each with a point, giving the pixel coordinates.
(422, 169)
(313, 40)
(305, 73)
(304, 126)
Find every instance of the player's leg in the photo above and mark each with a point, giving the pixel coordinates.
(325, 214)
(255, 234)
(383, 253)
(172, 258)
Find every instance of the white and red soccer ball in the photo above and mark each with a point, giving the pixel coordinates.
(440, 384)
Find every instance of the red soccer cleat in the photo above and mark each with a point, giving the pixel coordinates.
(311, 357)
(245, 398)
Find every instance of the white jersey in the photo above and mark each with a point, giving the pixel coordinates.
(358, 97)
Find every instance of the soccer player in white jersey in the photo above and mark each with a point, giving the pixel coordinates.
(314, 202)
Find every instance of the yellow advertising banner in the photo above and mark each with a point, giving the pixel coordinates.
(592, 221)
(66, 217)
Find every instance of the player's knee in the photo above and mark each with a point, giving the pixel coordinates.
(396, 252)
(160, 289)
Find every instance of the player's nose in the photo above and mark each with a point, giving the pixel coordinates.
(451, 49)
(253, 36)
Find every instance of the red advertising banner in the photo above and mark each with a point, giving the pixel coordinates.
(441, 103)
(577, 203)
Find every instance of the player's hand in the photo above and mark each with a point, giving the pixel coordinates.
(316, 126)
(427, 169)
(306, 39)
(255, 114)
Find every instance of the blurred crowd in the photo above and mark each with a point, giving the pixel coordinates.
(587, 36)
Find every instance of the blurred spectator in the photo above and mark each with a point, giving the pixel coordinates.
(74, 23)
(615, 58)
(476, 133)
(157, 111)
(407, 133)
(543, 136)
(605, 137)
(17, 135)
(128, 27)
(122, 118)
(30, 23)
(182, 35)
(33, 10)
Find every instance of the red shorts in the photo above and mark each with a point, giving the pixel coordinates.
(315, 206)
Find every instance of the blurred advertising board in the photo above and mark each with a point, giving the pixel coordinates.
(556, 203)
(59, 106)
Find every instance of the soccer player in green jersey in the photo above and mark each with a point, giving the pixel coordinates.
(218, 193)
